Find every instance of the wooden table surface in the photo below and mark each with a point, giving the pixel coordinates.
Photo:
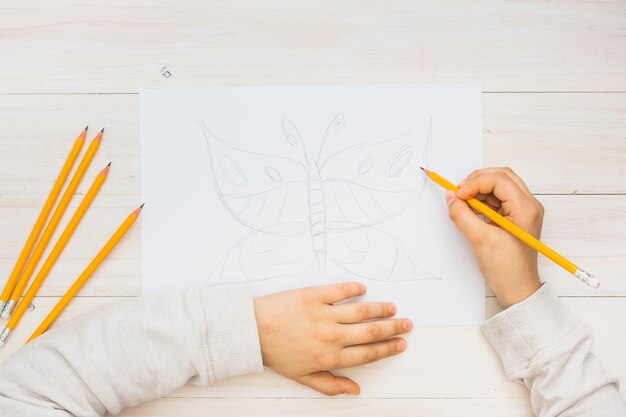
(554, 81)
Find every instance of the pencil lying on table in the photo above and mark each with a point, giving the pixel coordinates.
(518, 232)
(54, 255)
(52, 225)
(91, 268)
(41, 220)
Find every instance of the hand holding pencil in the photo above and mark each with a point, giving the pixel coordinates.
(506, 250)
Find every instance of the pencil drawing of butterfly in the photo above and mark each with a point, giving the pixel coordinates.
(308, 210)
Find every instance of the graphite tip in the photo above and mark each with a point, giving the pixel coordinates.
(109, 164)
(102, 131)
(141, 206)
(86, 127)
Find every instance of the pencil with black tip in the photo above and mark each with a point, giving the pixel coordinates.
(91, 268)
(52, 225)
(41, 220)
(519, 233)
(55, 253)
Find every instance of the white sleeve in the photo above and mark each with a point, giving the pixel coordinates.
(133, 352)
(541, 343)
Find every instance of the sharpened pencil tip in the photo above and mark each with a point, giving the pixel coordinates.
(86, 127)
(105, 171)
(102, 131)
(137, 211)
(422, 168)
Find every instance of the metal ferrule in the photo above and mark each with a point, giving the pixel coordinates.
(587, 278)
(8, 309)
(4, 336)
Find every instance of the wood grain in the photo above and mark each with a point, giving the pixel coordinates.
(559, 143)
(95, 46)
(576, 226)
(557, 76)
(466, 367)
(335, 407)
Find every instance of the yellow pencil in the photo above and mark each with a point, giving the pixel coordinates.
(51, 227)
(41, 220)
(91, 268)
(54, 254)
(518, 232)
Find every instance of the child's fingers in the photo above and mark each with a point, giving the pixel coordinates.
(492, 207)
(499, 184)
(374, 331)
(463, 218)
(356, 312)
(329, 384)
(335, 293)
(488, 199)
(508, 171)
(362, 354)
(493, 202)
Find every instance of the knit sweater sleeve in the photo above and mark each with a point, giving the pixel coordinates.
(133, 352)
(541, 343)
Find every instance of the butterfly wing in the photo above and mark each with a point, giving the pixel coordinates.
(267, 193)
(259, 256)
(260, 190)
(374, 254)
(369, 183)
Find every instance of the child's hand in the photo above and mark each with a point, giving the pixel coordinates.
(303, 335)
(508, 265)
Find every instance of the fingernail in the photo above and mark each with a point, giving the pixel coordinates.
(400, 345)
(392, 309)
(363, 289)
(462, 183)
(449, 197)
(407, 325)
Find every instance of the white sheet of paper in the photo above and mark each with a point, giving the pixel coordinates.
(284, 187)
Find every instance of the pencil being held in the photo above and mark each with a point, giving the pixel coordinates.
(518, 232)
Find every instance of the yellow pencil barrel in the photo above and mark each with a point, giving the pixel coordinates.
(51, 227)
(58, 249)
(518, 232)
(41, 220)
(86, 274)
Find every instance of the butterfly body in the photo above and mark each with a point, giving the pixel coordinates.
(317, 213)
(306, 212)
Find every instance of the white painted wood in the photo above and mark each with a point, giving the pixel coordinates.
(331, 407)
(95, 46)
(559, 143)
(38, 132)
(570, 143)
(440, 362)
(576, 226)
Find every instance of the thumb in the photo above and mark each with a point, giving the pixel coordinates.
(464, 218)
(329, 384)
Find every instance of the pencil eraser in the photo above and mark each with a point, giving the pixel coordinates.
(587, 278)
